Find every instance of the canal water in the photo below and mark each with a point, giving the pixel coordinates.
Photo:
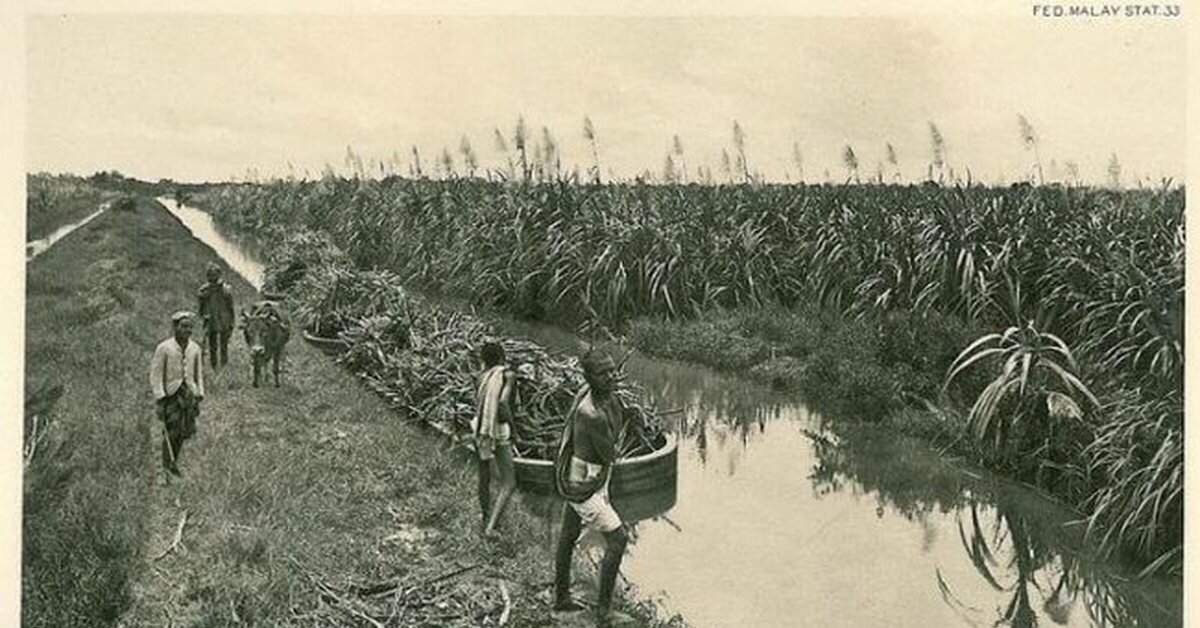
(779, 521)
(35, 248)
(236, 254)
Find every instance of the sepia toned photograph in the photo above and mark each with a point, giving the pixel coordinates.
(391, 315)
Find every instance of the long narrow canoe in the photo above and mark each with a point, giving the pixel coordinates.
(642, 486)
(648, 473)
(328, 346)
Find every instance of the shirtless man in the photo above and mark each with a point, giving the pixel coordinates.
(593, 440)
(492, 427)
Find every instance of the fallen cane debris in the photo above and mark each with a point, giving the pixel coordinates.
(178, 536)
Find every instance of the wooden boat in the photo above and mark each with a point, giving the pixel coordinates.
(641, 486)
(639, 506)
(328, 346)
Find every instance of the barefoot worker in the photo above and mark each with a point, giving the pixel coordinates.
(216, 310)
(177, 379)
(492, 429)
(584, 464)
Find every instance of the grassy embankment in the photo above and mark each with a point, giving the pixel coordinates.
(316, 481)
(94, 304)
(846, 368)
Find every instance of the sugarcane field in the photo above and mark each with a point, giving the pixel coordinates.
(599, 316)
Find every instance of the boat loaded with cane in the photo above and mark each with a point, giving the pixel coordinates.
(329, 346)
(423, 358)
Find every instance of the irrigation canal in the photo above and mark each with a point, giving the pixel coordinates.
(779, 522)
(35, 248)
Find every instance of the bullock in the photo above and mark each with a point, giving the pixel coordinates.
(266, 329)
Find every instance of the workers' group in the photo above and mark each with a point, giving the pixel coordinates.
(588, 451)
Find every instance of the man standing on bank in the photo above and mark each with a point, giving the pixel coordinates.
(177, 379)
(492, 429)
(216, 310)
(587, 453)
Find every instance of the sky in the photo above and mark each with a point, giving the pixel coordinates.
(207, 97)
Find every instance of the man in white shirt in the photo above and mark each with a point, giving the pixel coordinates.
(177, 379)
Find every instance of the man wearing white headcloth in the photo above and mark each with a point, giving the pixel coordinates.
(177, 379)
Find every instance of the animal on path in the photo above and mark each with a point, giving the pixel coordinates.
(267, 330)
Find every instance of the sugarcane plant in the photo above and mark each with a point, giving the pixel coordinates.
(1035, 385)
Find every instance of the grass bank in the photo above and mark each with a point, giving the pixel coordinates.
(865, 370)
(291, 496)
(95, 305)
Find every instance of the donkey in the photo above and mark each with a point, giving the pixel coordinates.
(266, 330)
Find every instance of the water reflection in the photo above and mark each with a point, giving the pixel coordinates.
(1024, 551)
(713, 413)
(901, 478)
(1038, 573)
(711, 410)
